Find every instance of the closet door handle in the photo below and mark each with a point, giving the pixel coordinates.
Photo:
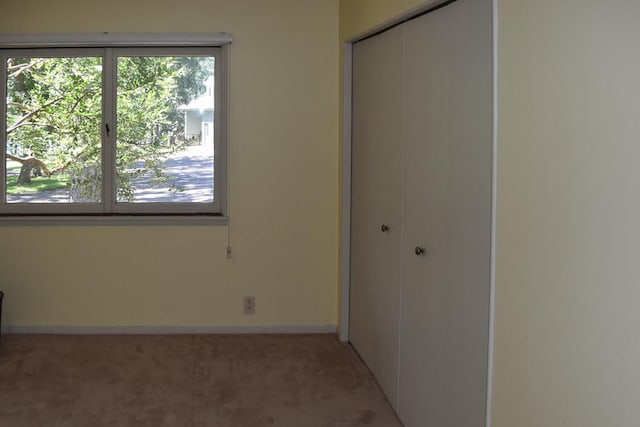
(384, 228)
(419, 251)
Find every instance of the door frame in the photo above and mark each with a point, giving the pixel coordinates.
(345, 238)
(345, 260)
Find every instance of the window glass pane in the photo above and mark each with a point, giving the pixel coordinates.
(53, 122)
(165, 129)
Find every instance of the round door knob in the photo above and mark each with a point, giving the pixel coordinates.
(384, 228)
(419, 251)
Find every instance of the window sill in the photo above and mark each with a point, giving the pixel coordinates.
(109, 220)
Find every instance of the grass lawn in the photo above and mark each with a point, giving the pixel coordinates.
(39, 183)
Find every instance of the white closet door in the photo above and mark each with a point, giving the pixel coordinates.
(376, 182)
(447, 193)
(469, 212)
(422, 326)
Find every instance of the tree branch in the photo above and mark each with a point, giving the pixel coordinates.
(81, 98)
(17, 105)
(15, 70)
(17, 126)
(43, 166)
(68, 163)
(32, 113)
(16, 158)
(23, 160)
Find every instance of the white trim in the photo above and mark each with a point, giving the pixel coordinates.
(216, 206)
(221, 130)
(178, 44)
(494, 205)
(3, 129)
(156, 330)
(63, 208)
(346, 194)
(93, 220)
(108, 138)
(226, 205)
(113, 39)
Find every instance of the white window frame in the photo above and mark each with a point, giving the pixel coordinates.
(109, 47)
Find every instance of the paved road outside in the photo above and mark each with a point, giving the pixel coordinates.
(190, 169)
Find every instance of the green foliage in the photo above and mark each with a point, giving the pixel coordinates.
(55, 105)
(54, 112)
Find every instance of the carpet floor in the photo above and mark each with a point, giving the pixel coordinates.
(187, 380)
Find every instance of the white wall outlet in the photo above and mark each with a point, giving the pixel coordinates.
(249, 305)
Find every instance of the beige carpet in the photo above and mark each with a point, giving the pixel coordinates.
(187, 380)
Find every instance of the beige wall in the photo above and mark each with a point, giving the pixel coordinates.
(567, 315)
(359, 16)
(568, 220)
(283, 184)
(568, 294)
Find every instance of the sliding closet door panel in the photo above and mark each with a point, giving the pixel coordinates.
(422, 329)
(447, 193)
(469, 212)
(375, 205)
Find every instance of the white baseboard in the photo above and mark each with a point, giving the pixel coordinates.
(157, 330)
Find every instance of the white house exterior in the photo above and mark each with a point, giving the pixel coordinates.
(198, 116)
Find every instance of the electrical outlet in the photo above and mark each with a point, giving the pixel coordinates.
(249, 305)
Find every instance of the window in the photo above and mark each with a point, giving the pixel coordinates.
(113, 130)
